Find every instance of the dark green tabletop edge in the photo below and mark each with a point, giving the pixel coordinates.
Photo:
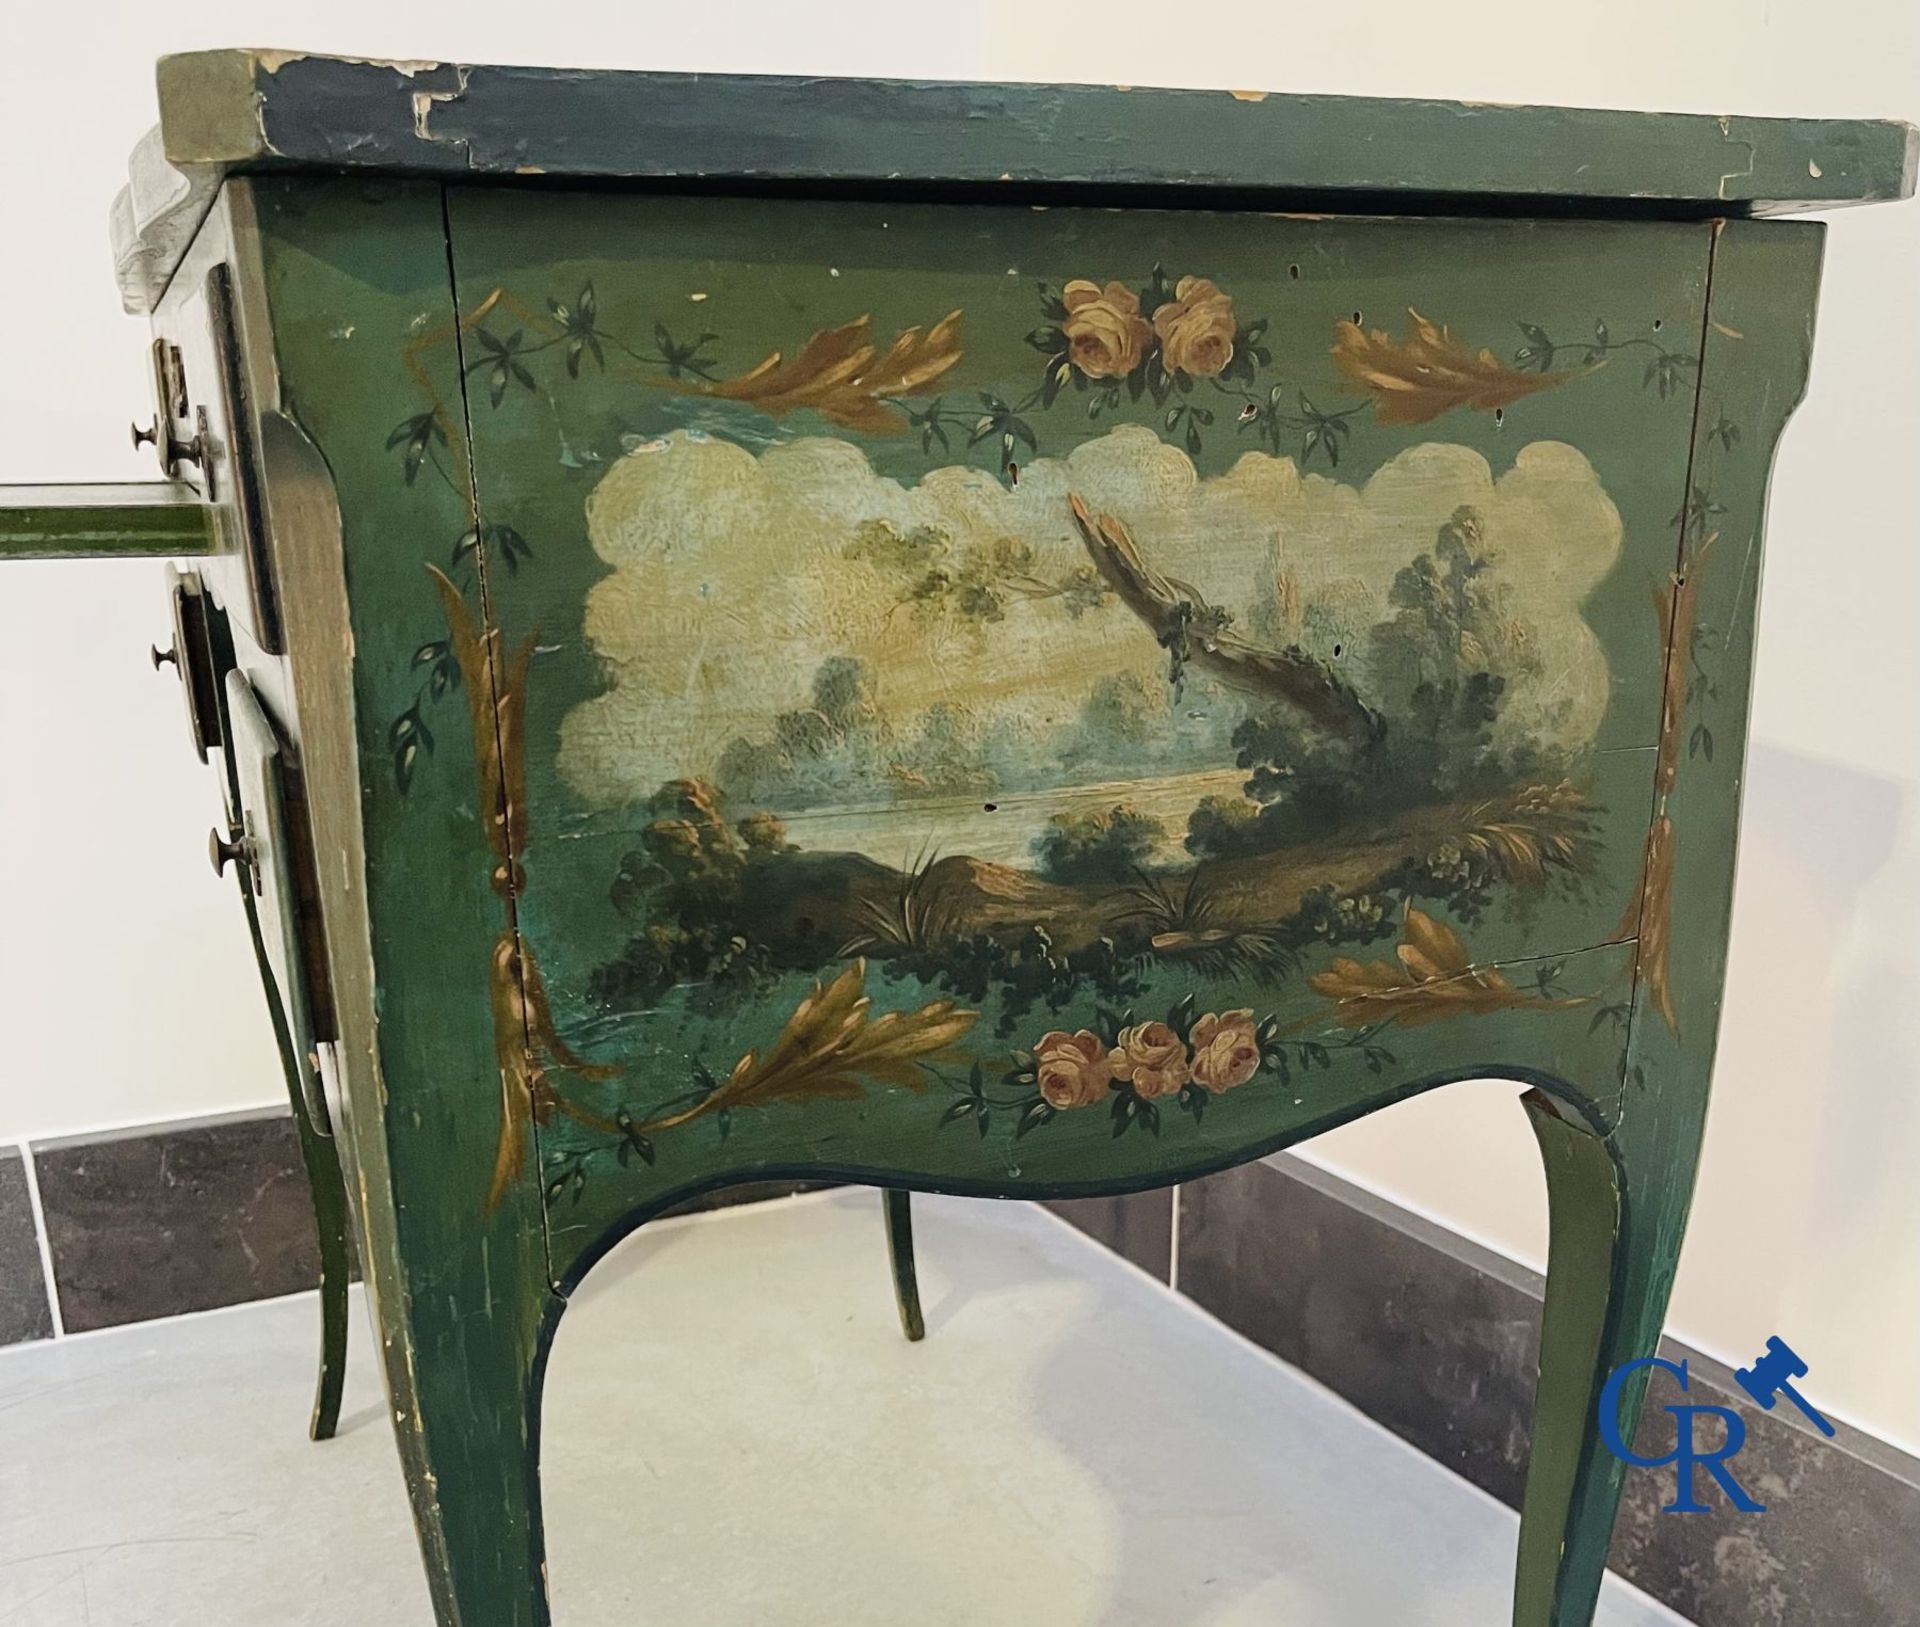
(243, 110)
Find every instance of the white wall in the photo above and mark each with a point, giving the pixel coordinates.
(125, 984)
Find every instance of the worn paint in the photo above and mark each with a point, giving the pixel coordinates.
(463, 1307)
(633, 124)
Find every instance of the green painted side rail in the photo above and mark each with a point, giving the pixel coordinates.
(138, 520)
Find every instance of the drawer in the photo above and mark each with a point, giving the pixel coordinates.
(207, 426)
(270, 841)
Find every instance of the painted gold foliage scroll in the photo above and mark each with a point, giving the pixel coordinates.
(1416, 379)
(1678, 609)
(845, 377)
(1430, 978)
(526, 1043)
(831, 1049)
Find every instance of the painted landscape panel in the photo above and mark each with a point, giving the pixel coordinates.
(1041, 695)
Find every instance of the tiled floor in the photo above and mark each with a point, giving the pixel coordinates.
(736, 1434)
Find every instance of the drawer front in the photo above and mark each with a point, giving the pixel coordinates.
(206, 425)
(1046, 695)
(270, 844)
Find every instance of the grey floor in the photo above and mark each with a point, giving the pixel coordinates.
(735, 1434)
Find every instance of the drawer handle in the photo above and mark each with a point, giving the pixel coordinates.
(221, 849)
(173, 451)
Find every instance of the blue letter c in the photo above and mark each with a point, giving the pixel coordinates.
(1610, 1410)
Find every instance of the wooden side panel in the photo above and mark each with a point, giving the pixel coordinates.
(1621, 1206)
(357, 283)
(1758, 346)
(1049, 700)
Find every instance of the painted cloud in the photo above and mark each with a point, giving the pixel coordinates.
(760, 623)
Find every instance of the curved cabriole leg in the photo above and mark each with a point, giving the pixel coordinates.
(1618, 1209)
(471, 1450)
(906, 1284)
(326, 1186)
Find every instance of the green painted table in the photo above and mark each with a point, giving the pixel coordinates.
(995, 639)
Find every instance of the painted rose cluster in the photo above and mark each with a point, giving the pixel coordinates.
(1219, 1052)
(1154, 340)
(1108, 335)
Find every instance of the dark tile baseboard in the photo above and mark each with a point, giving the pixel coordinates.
(170, 1218)
(1137, 1227)
(1438, 1339)
(176, 1218)
(25, 1312)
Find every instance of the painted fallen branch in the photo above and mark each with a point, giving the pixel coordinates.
(1191, 630)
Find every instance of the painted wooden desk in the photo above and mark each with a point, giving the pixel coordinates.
(1005, 640)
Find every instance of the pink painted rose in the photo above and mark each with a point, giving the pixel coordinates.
(1106, 334)
(1151, 1057)
(1074, 1070)
(1225, 1051)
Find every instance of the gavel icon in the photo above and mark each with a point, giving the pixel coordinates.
(1771, 1375)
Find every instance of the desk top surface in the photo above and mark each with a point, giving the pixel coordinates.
(252, 109)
